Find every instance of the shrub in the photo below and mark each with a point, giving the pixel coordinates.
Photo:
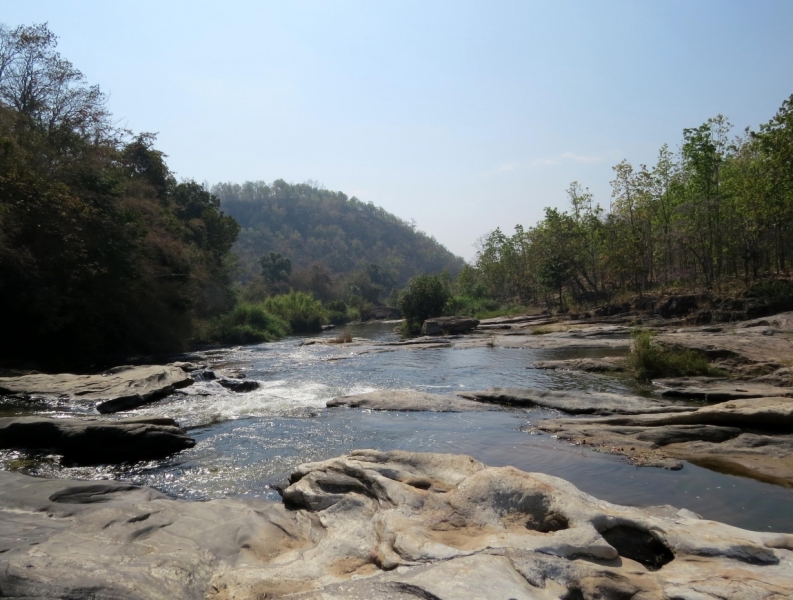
(337, 312)
(301, 311)
(424, 297)
(245, 324)
(650, 361)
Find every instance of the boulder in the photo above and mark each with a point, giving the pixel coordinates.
(239, 386)
(92, 442)
(408, 400)
(448, 325)
(576, 402)
(376, 525)
(120, 388)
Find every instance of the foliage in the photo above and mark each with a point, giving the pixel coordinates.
(651, 361)
(337, 312)
(424, 297)
(719, 211)
(337, 237)
(245, 324)
(303, 313)
(275, 267)
(103, 253)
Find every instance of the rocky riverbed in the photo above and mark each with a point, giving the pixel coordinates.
(374, 524)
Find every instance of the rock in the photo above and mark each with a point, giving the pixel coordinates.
(120, 388)
(407, 400)
(717, 390)
(678, 306)
(757, 344)
(374, 526)
(95, 442)
(782, 377)
(384, 313)
(750, 437)
(448, 325)
(593, 365)
(235, 385)
(328, 327)
(188, 367)
(204, 375)
(576, 402)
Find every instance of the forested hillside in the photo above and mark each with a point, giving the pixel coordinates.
(327, 231)
(103, 253)
(717, 214)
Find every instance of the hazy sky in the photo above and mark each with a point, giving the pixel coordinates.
(464, 116)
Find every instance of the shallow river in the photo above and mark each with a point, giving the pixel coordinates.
(246, 443)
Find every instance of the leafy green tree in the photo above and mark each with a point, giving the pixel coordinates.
(275, 267)
(424, 297)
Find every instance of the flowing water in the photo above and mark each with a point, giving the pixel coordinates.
(248, 443)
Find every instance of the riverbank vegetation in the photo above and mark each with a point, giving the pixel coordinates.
(650, 361)
(716, 215)
(103, 253)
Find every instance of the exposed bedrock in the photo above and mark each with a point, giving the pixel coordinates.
(93, 442)
(448, 325)
(576, 402)
(374, 525)
(751, 437)
(607, 364)
(408, 400)
(120, 388)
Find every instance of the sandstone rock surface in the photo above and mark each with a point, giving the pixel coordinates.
(120, 388)
(448, 325)
(376, 525)
(408, 400)
(93, 442)
(751, 437)
(717, 390)
(576, 402)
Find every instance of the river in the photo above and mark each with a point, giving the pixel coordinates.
(248, 443)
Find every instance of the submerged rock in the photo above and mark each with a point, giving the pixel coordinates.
(448, 325)
(407, 400)
(239, 386)
(376, 525)
(92, 442)
(576, 402)
(592, 365)
(120, 388)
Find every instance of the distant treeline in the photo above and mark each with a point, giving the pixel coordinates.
(719, 212)
(332, 241)
(103, 254)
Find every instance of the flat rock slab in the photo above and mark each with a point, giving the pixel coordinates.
(591, 365)
(408, 400)
(118, 389)
(718, 390)
(725, 449)
(577, 402)
(95, 442)
(375, 525)
(749, 345)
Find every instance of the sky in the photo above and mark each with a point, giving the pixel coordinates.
(462, 116)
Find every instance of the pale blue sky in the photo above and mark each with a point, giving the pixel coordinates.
(464, 116)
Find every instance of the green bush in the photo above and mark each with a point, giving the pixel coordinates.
(245, 324)
(302, 312)
(424, 298)
(651, 361)
(337, 312)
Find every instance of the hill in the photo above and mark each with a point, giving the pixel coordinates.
(327, 232)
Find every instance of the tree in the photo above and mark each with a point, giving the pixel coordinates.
(275, 267)
(423, 298)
